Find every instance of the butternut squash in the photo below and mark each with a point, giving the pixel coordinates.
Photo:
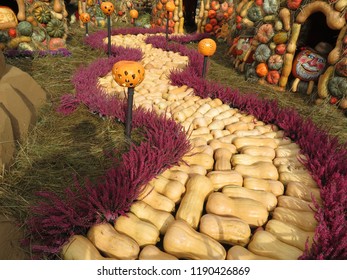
(301, 176)
(191, 207)
(295, 203)
(216, 124)
(80, 247)
(302, 219)
(200, 130)
(251, 211)
(182, 241)
(223, 178)
(201, 122)
(287, 67)
(336, 53)
(323, 91)
(201, 159)
(239, 126)
(275, 187)
(258, 151)
(226, 230)
(207, 136)
(294, 161)
(226, 114)
(191, 169)
(268, 199)
(222, 158)
(238, 252)
(227, 139)
(241, 142)
(248, 159)
(177, 175)
(266, 244)
(156, 200)
(170, 188)
(206, 149)
(260, 170)
(113, 244)
(216, 144)
(290, 234)
(284, 15)
(301, 191)
(144, 233)
(151, 252)
(283, 151)
(161, 219)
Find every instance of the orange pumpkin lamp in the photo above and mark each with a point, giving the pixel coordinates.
(128, 74)
(207, 47)
(134, 14)
(108, 8)
(85, 18)
(170, 7)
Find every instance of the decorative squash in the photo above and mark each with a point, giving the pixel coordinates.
(190, 209)
(262, 53)
(280, 38)
(270, 6)
(265, 33)
(128, 73)
(112, 243)
(273, 77)
(299, 190)
(25, 28)
(341, 67)
(261, 69)
(251, 211)
(293, 4)
(275, 62)
(338, 87)
(254, 13)
(55, 28)
(302, 219)
(280, 49)
(226, 230)
(259, 151)
(240, 253)
(220, 179)
(151, 252)
(275, 187)
(182, 241)
(260, 170)
(207, 47)
(107, 8)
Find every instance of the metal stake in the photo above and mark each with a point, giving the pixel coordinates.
(109, 35)
(87, 29)
(204, 67)
(129, 114)
(167, 27)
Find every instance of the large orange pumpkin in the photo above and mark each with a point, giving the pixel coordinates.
(128, 73)
(107, 8)
(134, 13)
(207, 47)
(261, 69)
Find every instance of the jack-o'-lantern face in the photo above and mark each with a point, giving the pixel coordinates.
(128, 73)
(85, 17)
(107, 8)
(308, 65)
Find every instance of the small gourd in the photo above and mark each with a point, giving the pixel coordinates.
(265, 33)
(262, 53)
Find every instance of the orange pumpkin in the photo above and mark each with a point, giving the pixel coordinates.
(85, 17)
(134, 13)
(128, 73)
(265, 33)
(215, 5)
(213, 21)
(273, 77)
(170, 6)
(211, 14)
(207, 47)
(208, 27)
(107, 8)
(261, 69)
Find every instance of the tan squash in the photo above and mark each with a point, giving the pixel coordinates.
(223, 178)
(161, 219)
(112, 243)
(222, 158)
(295, 203)
(259, 151)
(284, 15)
(151, 252)
(233, 127)
(290, 234)
(266, 244)
(248, 159)
(216, 144)
(226, 230)
(144, 233)
(241, 142)
(275, 187)
(191, 169)
(201, 122)
(170, 188)
(240, 253)
(302, 219)
(226, 114)
(295, 161)
(80, 247)
(323, 91)
(201, 159)
(156, 200)
(299, 190)
(191, 207)
(260, 170)
(182, 241)
(216, 124)
(177, 175)
(268, 199)
(301, 176)
(251, 211)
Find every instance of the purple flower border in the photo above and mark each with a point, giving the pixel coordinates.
(327, 159)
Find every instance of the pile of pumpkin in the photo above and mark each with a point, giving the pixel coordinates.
(168, 13)
(212, 15)
(41, 26)
(240, 193)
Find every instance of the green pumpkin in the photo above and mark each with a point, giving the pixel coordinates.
(254, 13)
(338, 87)
(25, 28)
(55, 28)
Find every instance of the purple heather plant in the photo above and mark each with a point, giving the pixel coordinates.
(326, 158)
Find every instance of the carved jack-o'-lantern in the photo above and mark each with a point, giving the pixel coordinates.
(107, 8)
(170, 6)
(207, 47)
(308, 65)
(128, 73)
(85, 17)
